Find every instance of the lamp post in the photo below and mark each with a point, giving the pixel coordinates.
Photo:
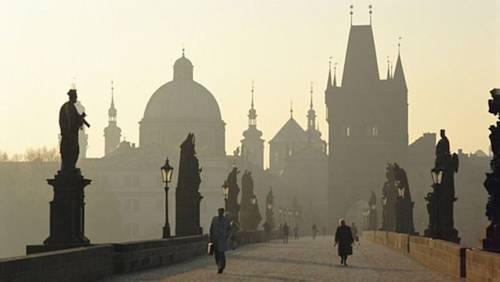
(433, 204)
(166, 176)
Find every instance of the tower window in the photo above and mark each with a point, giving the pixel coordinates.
(348, 131)
(374, 131)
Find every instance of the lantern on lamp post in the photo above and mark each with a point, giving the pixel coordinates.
(166, 176)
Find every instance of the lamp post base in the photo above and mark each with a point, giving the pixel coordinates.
(166, 232)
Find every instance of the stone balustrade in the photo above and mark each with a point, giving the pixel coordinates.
(99, 261)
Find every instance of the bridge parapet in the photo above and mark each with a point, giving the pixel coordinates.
(96, 262)
(482, 265)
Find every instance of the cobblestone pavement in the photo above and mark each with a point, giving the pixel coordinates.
(301, 260)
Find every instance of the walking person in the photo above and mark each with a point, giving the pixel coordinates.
(220, 230)
(296, 232)
(314, 231)
(286, 232)
(344, 240)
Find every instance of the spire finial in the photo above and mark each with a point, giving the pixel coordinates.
(112, 93)
(252, 92)
(311, 91)
(291, 108)
(351, 12)
(335, 74)
(371, 12)
(183, 51)
(399, 45)
(330, 63)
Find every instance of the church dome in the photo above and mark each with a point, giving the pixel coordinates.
(182, 99)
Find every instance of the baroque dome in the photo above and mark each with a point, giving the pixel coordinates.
(182, 99)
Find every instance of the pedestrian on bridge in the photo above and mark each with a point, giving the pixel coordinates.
(344, 239)
(286, 232)
(220, 230)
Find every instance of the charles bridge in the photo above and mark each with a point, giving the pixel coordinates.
(395, 252)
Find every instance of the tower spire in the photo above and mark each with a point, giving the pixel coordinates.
(252, 104)
(329, 81)
(351, 12)
(388, 68)
(399, 45)
(112, 94)
(370, 11)
(335, 74)
(291, 109)
(183, 51)
(311, 92)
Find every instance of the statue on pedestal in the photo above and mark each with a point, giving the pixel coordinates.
(67, 209)
(188, 197)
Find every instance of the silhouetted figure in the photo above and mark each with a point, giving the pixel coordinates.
(314, 231)
(220, 230)
(404, 206)
(70, 122)
(187, 194)
(286, 232)
(233, 208)
(492, 240)
(354, 231)
(344, 240)
(235, 228)
(267, 230)
(372, 212)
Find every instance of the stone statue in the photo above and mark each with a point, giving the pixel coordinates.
(404, 204)
(233, 208)
(70, 122)
(187, 194)
(389, 198)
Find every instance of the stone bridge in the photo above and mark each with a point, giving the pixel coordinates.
(379, 256)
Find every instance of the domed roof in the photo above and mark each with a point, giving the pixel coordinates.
(182, 99)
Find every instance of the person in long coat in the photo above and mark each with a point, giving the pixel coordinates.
(344, 240)
(220, 230)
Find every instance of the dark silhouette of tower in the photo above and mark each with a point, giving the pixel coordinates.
(112, 133)
(368, 122)
(252, 145)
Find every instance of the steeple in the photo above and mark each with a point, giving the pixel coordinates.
(335, 75)
(112, 133)
(311, 114)
(329, 81)
(112, 110)
(361, 58)
(252, 113)
(291, 109)
(399, 75)
(388, 68)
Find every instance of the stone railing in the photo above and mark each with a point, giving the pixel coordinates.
(79, 265)
(482, 266)
(438, 255)
(97, 262)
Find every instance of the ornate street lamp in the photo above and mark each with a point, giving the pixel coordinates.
(166, 176)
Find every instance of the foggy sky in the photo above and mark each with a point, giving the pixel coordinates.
(450, 52)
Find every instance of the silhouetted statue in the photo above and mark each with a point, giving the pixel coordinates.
(492, 182)
(70, 122)
(404, 204)
(233, 208)
(372, 212)
(187, 195)
(269, 209)
(441, 199)
(249, 212)
(67, 209)
(389, 198)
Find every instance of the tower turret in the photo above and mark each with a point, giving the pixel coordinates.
(252, 144)
(112, 133)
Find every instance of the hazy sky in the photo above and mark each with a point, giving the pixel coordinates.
(450, 51)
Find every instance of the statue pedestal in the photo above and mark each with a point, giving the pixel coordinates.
(67, 213)
(492, 241)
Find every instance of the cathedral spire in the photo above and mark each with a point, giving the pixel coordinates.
(311, 92)
(112, 110)
(351, 12)
(329, 81)
(335, 75)
(291, 109)
(311, 114)
(252, 113)
(399, 75)
(370, 11)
